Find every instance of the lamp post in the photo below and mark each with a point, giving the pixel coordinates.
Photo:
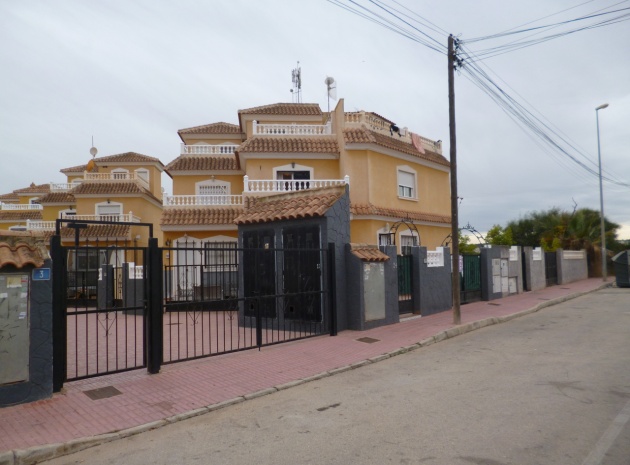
(601, 194)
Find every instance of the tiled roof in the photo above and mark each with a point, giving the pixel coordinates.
(127, 157)
(20, 215)
(365, 136)
(294, 109)
(203, 163)
(10, 197)
(57, 197)
(214, 128)
(33, 189)
(108, 188)
(290, 145)
(74, 169)
(368, 253)
(369, 209)
(303, 204)
(22, 248)
(199, 216)
(99, 231)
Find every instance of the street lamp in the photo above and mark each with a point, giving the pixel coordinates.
(601, 194)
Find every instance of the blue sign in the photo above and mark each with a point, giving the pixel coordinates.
(41, 274)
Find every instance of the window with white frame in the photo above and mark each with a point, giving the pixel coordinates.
(109, 211)
(33, 200)
(407, 183)
(406, 242)
(143, 174)
(221, 254)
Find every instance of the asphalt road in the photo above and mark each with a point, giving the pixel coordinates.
(549, 388)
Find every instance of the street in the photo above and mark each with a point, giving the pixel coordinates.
(549, 388)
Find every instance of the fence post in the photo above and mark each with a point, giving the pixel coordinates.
(154, 315)
(59, 323)
(332, 289)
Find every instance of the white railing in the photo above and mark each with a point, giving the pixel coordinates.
(115, 176)
(61, 186)
(378, 124)
(288, 185)
(537, 254)
(435, 258)
(20, 206)
(292, 129)
(201, 200)
(37, 225)
(206, 149)
(573, 254)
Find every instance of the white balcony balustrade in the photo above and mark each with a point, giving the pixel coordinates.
(202, 200)
(207, 149)
(288, 185)
(62, 186)
(36, 225)
(291, 129)
(20, 206)
(116, 176)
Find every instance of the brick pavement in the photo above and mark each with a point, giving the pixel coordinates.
(188, 386)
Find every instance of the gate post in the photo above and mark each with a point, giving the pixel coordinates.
(59, 301)
(154, 315)
(332, 283)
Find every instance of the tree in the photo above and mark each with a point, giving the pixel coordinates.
(499, 236)
(465, 247)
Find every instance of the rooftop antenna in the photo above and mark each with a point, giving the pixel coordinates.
(91, 166)
(331, 89)
(296, 76)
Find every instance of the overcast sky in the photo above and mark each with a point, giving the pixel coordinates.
(131, 73)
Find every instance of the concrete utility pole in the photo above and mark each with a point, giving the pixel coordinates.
(454, 216)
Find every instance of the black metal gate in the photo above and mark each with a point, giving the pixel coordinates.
(551, 268)
(405, 283)
(471, 279)
(221, 298)
(99, 303)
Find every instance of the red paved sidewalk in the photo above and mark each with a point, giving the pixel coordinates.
(186, 386)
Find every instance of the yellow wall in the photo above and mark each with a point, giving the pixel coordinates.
(263, 168)
(366, 232)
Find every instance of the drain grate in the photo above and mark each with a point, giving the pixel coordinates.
(102, 393)
(368, 340)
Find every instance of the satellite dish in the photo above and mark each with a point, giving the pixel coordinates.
(93, 151)
(331, 89)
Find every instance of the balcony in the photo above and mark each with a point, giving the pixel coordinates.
(115, 177)
(289, 185)
(62, 186)
(378, 124)
(202, 200)
(292, 129)
(36, 225)
(20, 206)
(207, 149)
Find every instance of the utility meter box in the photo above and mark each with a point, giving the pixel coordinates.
(14, 327)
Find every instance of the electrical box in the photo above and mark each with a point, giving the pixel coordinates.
(374, 290)
(14, 328)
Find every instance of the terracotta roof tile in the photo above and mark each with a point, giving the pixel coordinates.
(22, 248)
(214, 128)
(199, 216)
(20, 215)
(57, 197)
(293, 109)
(74, 169)
(369, 209)
(100, 231)
(322, 144)
(303, 204)
(203, 163)
(368, 253)
(365, 136)
(127, 157)
(34, 189)
(108, 188)
(10, 197)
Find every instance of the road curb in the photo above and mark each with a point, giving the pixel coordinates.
(37, 454)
